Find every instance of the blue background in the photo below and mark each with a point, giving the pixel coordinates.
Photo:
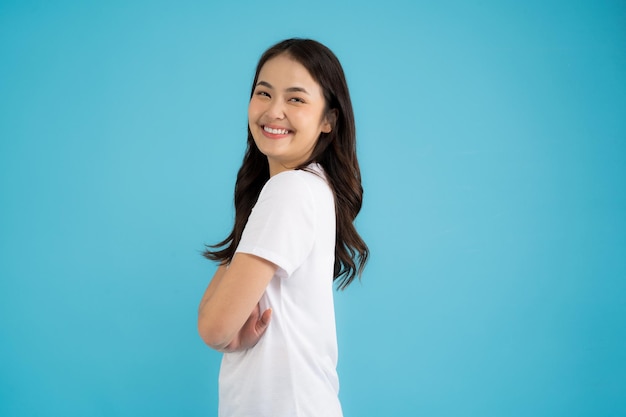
(492, 139)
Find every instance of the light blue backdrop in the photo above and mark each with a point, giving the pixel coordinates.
(493, 147)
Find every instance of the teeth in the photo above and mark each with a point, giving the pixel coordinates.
(276, 131)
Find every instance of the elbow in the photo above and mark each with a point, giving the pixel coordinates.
(213, 334)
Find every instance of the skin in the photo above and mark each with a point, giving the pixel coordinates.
(288, 99)
(229, 317)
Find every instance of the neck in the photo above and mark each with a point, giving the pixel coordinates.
(277, 167)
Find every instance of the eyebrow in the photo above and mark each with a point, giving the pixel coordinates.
(289, 90)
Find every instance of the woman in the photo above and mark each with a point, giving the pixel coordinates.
(269, 306)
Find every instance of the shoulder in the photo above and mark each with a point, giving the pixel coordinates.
(296, 183)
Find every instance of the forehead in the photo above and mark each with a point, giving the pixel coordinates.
(284, 72)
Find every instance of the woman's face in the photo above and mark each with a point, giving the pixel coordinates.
(286, 113)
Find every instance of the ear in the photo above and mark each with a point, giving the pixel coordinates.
(329, 121)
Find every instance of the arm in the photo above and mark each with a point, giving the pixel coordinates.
(229, 317)
(217, 277)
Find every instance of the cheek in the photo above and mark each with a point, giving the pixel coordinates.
(299, 117)
(250, 113)
(254, 111)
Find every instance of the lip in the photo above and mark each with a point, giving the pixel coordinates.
(275, 135)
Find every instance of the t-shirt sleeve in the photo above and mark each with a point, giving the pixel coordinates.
(281, 226)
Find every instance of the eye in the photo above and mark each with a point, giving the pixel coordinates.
(262, 93)
(296, 100)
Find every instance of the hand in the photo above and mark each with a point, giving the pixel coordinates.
(251, 331)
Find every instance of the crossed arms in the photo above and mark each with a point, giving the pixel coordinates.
(229, 317)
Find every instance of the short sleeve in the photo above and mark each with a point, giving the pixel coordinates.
(281, 227)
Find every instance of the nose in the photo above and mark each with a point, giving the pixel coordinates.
(275, 110)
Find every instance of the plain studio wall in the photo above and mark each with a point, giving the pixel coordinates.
(492, 140)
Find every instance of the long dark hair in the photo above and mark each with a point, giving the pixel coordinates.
(334, 151)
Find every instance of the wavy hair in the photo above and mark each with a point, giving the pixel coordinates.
(334, 151)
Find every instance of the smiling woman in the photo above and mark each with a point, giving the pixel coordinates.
(269, 306)
(287, 113)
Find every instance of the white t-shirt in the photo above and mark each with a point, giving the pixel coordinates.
(291, 372)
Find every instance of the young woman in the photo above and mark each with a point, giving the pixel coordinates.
(269, 306)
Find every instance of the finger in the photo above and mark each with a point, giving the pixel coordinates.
(264, 320)
(267, 315)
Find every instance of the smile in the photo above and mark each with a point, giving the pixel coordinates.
(276, 131)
